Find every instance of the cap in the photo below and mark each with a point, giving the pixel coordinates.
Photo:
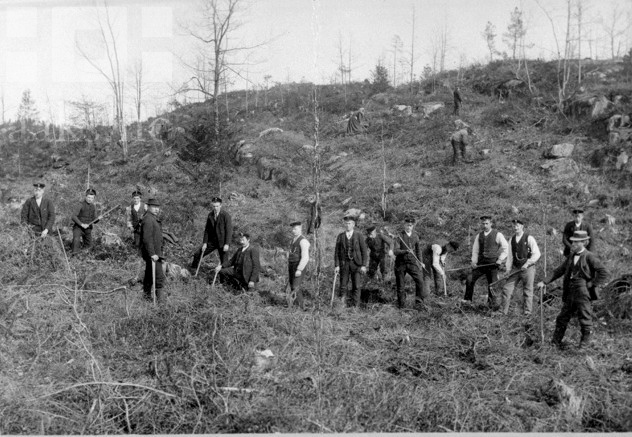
(410, 220)
(137, 194)
(245, 234)
(578, 210)
(153, 202)
(580, 236)
(519, 220)
(370, 229)
(91, 191)
(216, 200)
(486, 217)
(350, 217)
(295, 223)
(39, 185)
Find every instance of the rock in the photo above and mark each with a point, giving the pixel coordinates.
(245, 154)
(563, 150)
(355, 212)
(610, 220)
(403, 110)
(601, 107)
(562, 168)
(269, 130)
(174, 271)
(308, 148)
(264, 360)
(382, 98)
(264, 169)
(111, 240)
(428, 108)
(460, 124)
(622, 160)
(485, 152)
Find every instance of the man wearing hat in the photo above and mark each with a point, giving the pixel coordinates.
(379, 246)
(351, 259)
(298, 257)
(84, 216)
(523, 254)
(577, 224)
(433, 257)
(151, 250)
(242, 270)
(407, 250)
(135, 212)
(583, 275)
(218, 234)
(489, 251)
(39, 212)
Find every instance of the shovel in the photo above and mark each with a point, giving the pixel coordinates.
(214, 277)
(333, 289)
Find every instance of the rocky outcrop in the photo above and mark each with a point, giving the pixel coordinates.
(563, 168)
(563, 150)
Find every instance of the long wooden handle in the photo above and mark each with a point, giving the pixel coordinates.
(103, 215)
(153, 278)
(333, 289)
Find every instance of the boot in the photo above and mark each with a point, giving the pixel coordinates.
(558, 335)
(585, 341)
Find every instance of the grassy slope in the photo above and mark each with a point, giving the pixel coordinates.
(379, 369)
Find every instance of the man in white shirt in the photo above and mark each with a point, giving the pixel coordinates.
(523, 254)
(297, 260)
(489, 251)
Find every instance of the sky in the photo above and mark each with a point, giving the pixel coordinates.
(297, 40)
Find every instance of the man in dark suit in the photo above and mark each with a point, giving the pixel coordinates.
(84, 217)
(218, 233)
(39, 212)
(408, 256)
(351, 259)
(242, 271)
(151, 250)
(577, 224)
(458, 100)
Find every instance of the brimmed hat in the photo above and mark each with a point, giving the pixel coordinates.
(153, 202)
(39, 185)
(137, 193)
(91, 191)
(370, 229)
(580, 236)
(519, 220)
(295, 223)
(350, 217)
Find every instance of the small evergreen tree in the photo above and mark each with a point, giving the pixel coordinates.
(379, 76)
(490, 38)
(27, 112)
(515, 31)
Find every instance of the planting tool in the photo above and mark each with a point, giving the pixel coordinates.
(445, 288)
(505, 278)
(423, 267)
(199, 263)
(103, 215)
(63, 248)
(470, 267)
(153, 279)
(333, 289)
(214, 277)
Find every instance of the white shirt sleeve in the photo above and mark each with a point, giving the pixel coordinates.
(436, 258)
(304, 254)
(509, 262)
(475, 250)
(504, 247)
(535, 250)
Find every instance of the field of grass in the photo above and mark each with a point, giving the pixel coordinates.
(82, 352)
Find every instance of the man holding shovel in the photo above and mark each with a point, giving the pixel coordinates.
(84, 217)
(151, 251)
(523, 254)
(408, 256)
(433, 257)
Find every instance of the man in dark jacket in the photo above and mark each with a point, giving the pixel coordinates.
(151, 251)
(242, 271)
(135, 213)
(379, 246)
(351, 259)
(218, 234)
(457, 100)
(407, 250)
(84, 216)
(583, 275)
(39, 212)
(577, 224)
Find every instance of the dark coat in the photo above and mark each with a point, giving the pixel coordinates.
(251, 264)
(150, 236)
(403, 250)
(569, 229)
(218, 231)
(85, 213)
(593, 272)
(379, 246)
(44, 217)
(360, 252)
(457, 97)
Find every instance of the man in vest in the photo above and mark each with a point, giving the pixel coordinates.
(85, 215)
(297, 260)
(242, 270)
(351, 259)
(577, 224)
(583, 275)
(489, 251)
(407, 251)
(433, 257)
(379, 246)
(135, 213)
(523, 254)
(151, 251)
(38, 212)
(218, 234)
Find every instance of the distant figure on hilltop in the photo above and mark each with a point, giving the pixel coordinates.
(458, 100)
(460, 140)
(357, 123)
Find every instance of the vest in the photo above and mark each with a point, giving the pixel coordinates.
(87, 213)
(136, 216)
(520, 250)
(295, 250)
(349, 246)
(487, 247)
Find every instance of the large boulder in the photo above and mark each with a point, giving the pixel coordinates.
(562, 168)
(563, 150)
(428, 108)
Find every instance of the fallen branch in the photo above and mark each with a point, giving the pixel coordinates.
(111, 384)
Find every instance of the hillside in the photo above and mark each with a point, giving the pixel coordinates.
(81, 352)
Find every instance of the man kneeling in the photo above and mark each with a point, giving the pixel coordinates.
(242, 270)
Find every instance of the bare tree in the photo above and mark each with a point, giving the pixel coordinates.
(515, 32)
(489, 34)
(112, 73)
(397, 46)
(616, 26)
(138, 89)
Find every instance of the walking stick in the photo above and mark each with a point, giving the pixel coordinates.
(153, 279)
(445, 288)
(333, 289)
(63, 248)
(199, 264)
(543, 289)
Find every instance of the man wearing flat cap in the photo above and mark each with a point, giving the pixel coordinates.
(520, 265)
(407, 251)
(489, 251)
(584, 275)
(135, 212)
(218, 234)
(151, 251)
(577, 224)
(379, 246)
(351, 260)
(84, 216)
(242, 270)
(298, 257)
(39, 212)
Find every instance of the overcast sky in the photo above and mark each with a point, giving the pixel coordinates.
(38, 40)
